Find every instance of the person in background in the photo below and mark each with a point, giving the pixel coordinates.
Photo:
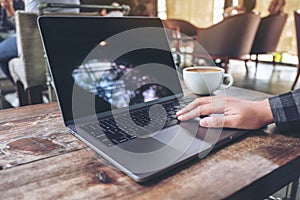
(7, 17)
(8, 47)
(276, 7)
(112, 13)
(144, 11)
(283, 109)
(32, 5)
(244, 6)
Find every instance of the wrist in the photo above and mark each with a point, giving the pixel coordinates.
(266, 112)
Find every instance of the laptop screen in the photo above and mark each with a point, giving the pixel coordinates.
(111, 63)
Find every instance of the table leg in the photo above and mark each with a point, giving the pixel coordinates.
(294, 189)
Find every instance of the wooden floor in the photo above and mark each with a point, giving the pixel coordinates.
(268, 79)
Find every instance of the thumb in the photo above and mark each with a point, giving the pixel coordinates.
(213, 121)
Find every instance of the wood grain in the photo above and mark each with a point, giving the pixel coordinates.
(73, 175)
(33, 133)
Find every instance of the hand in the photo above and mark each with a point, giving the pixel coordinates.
(237, 113)
(6, 3)
(8, 6)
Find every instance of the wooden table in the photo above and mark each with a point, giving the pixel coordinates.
(39, 159)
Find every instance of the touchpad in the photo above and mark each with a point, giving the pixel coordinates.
(142, 145)
(181, 136)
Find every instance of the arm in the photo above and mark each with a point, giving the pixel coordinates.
(9, 7)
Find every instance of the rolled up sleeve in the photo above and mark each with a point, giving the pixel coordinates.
(286, 111)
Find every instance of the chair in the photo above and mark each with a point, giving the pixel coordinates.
(268, 35)
(297, 24)
(29, 69)
(231, 38)
(182, 26)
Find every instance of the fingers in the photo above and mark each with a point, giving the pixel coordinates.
(202, 106)
(195, 112)
(213, 122)
(221, 121)
(194, 104)
(189, 113)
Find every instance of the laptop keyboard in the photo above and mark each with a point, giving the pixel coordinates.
(138, 123)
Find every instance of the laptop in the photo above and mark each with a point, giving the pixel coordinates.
(118, 90)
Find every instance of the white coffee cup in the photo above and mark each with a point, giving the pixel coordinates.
(204, 80)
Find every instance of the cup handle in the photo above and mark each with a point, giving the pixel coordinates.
(225, 86)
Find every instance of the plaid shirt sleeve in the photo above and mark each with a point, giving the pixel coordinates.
(286, 111)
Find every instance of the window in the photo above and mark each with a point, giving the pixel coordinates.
(218, 10)
(162, 9)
